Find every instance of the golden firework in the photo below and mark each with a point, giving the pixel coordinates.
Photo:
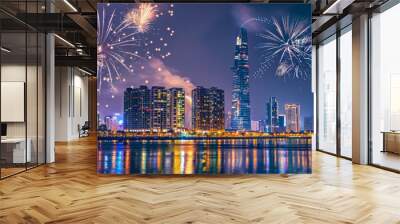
(142, 16)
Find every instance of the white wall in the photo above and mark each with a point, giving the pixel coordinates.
(33, 126)
(14, 73)
(71, 102)
(17, 73)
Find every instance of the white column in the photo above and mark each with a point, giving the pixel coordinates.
(50, 99)
(63, 101)
(360, 90)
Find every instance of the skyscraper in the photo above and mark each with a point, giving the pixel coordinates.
(272, 114)
(255, 125)
(137, 108)
(160, 108)
(208, 109)
(281, 123)
(308, 124)
(217, 113)
(241, 93)
(108, 122)
(200, 109)
(292, 112)
(262, 125)
(177, 108)
(228, 119)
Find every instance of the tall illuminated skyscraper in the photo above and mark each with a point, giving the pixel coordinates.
(160, 108)
(228, 119)
(177, 108)
(281, 123)
(107, 122)
(208, 109)
(292, 113)
(308, 124)
(200, 109)
(272, 114)
(137, 108)
(217, 112)
(241, 92)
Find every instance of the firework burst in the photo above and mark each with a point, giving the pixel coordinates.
(286, 48)
(124, 40)
(142, 17)
(124, 48)
(114, 44)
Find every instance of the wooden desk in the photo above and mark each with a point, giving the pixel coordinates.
(16, 147)
(391, 141)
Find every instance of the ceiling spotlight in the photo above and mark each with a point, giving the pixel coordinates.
(70, 5)
(85, 72)
(5, 50)
(64, 40)
(337, 7)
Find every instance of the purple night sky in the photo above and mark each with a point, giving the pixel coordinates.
(192, 45)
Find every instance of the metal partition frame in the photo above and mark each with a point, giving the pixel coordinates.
(389, 4)
(340, 31)
(42, 117)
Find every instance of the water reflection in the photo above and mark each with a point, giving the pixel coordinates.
(249, 156)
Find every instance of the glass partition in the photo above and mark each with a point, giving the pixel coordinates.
(326, 107)
(385, 89)
(13, 94)
(22, 88)
(31, 97)
(346, 92)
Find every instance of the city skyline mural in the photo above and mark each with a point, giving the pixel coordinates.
(204, 88)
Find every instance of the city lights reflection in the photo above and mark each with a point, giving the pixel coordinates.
(255, 156)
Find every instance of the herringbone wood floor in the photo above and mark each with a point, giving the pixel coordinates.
(70, 191)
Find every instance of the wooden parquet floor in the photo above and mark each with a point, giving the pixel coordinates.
(70, 191)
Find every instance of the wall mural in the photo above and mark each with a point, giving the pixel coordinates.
(204, 88)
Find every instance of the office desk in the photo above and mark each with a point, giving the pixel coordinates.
(16, 148)
(391, 142)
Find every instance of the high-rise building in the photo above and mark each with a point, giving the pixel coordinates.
(155, 108)
(262, 125)
(160, 108)
(129, 111)
(99, 121)
(228, 118)
(241, 92)
(308, 124)
(114, 124)
(255, 126)
(137, 108)
(272, 114)
(281, 123)
(200, 109)
(108, 122)
(217, 102)
(177, 108)
(292, 113)
(208, 109)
